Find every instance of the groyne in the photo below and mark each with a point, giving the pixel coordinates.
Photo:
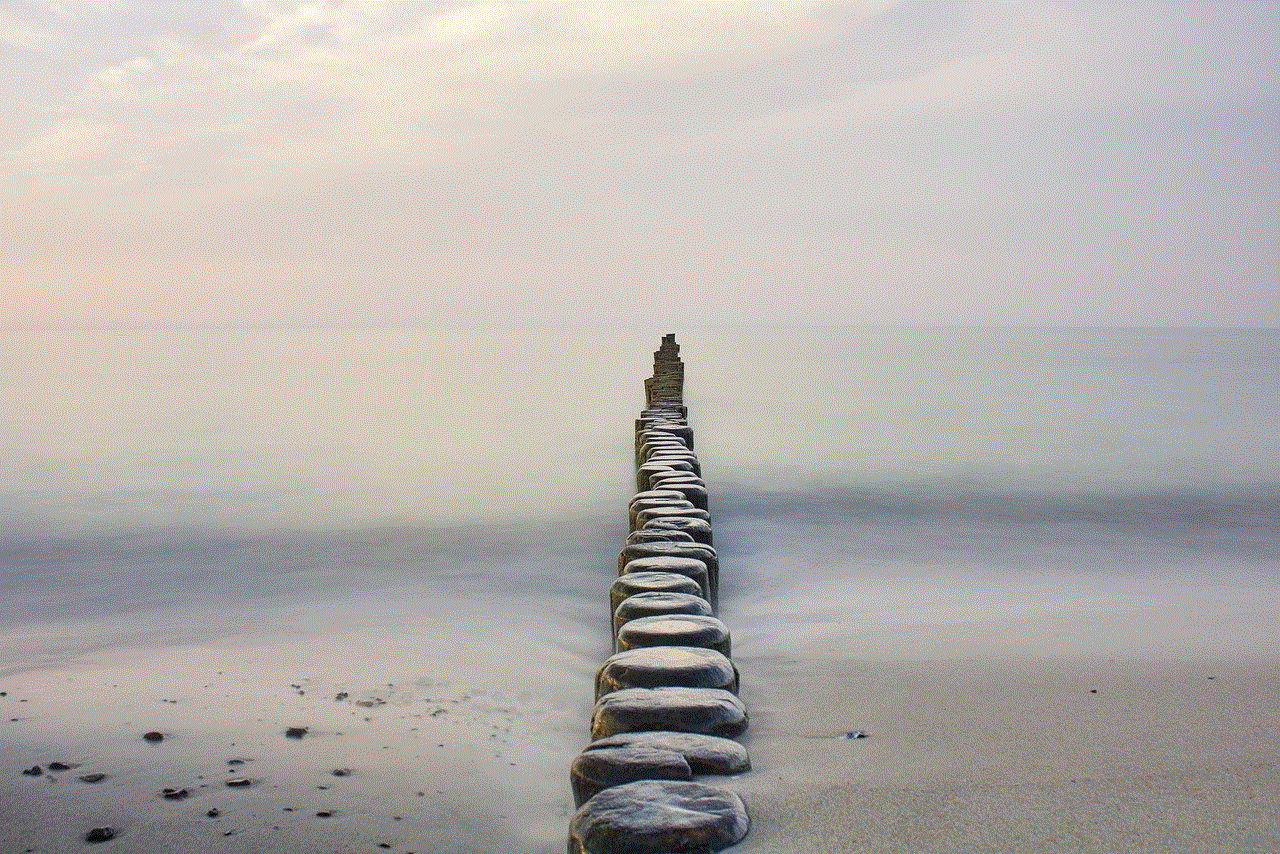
(667, 708)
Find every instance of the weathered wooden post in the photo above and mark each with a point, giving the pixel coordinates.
(666, 701)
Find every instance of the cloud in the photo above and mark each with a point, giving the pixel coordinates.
(636, 148)
(69, 141)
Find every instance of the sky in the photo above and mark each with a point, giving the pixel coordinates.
(418, 163)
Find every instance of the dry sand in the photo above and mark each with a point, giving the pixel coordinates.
(1013, 756)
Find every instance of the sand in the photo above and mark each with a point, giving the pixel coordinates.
(990, 755)
(1013, 756)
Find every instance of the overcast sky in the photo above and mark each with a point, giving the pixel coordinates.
(419, 163)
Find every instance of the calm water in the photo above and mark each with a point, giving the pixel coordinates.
(392, 506)
(189, 470)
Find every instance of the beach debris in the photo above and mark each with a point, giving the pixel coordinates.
(296, 731)
(153, 736)
(175, 794)
(238, 761)
(214, 813)
(100, 834)
(342, 695)
(369, 704)
(33, 771)
(658, 815)
(239, 782)
(852, 734)
(95, 777)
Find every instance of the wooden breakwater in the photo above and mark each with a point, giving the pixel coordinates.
(666, 701)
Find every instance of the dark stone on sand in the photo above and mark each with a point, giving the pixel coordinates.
(93, 778)
(693, 567)
(599, 769)
(706, 754)
(153, 736)
(658, 535)
(642, 582)
(239, 782)
(656, 602)
(341, 695)
(33, 771)
(666, 666)
(296, 731)
(59, 766)
(711, 711)
(698, 529)
(175, 794)
(658, 817)
(213, 813)
(324, 814)
(675, 630)
(342, 772)
(100, 834)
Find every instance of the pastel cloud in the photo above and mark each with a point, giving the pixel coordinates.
(883, 161)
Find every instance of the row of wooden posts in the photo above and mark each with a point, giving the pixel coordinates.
(666, 708)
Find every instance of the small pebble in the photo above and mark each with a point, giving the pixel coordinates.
(213, 813)
(857, 733)
(59, 766)
(296, 731)
(341, 772)
(239, 782)
(93, 778)
(100, 834)
(324, 814)
(175, 794)
(33, 771)
(153, 736)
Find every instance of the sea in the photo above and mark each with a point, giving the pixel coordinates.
(430, 519)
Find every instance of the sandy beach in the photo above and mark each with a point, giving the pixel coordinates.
(958, 756)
